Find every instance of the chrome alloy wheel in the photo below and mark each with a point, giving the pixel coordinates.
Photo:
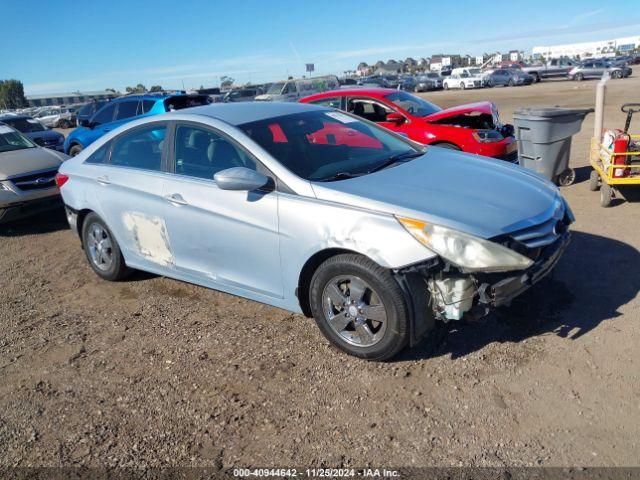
(354, 310)
(100, 247)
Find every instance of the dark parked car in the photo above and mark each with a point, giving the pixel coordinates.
(35, 131)
(508, 78)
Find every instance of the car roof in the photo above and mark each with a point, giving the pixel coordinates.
(245, 112)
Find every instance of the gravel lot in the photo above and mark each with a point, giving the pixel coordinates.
(154, 372)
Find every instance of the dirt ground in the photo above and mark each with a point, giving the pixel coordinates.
(154, 372)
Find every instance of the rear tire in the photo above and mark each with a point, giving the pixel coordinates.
(462, 87)
(579, 77)
(617, 74)
(102, 250)
(594, 181)
(606, 195)
(75, 150)
(359, 307)
(445, 86)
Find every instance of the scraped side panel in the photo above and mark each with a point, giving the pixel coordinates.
(149, 237)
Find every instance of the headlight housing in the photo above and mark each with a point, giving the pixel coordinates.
(464, 250)
(487, 136)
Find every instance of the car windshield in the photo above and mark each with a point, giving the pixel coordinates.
(474, 71)
(11, 140)
(25, 125)
(414, 105)
(327, 146)
(276, 88)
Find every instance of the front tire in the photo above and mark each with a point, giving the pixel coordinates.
(579, 77)
(102, 250)
(359, 307)
(75, 150)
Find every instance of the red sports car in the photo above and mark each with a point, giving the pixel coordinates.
(474, 128)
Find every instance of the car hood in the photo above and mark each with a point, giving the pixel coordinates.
(44, 135)
(470, 193)
(28, 160)
(480, 107)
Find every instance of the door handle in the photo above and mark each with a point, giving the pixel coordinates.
(176, 199)
(103, 180)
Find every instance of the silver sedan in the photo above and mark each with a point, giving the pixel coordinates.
(315, 211)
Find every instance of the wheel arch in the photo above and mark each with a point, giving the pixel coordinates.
(309, 268)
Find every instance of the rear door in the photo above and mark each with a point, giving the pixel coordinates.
(228, 238)
(129, 190)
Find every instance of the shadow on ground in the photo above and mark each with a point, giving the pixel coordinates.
(596, 276)
(45, 222)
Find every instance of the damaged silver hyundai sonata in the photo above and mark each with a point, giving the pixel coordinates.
(316, 211)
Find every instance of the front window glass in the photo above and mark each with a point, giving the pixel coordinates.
(105, 115)
(141, 148)
(202, 153)
(11, 140)
(327, 146)
(25, 125)
(414, 105)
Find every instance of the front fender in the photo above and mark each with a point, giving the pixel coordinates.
(309, 225)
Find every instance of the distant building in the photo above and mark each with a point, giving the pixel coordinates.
(68, 98)
(603, 48)
(516, 56)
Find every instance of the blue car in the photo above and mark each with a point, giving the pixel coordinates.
(35, 131)
(125, 109)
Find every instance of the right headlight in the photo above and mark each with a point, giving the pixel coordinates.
(466, 251)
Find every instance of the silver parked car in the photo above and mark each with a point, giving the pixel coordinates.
(597, 68)
(507, 77)
(27, 174)
(57, 117)
(316, 211)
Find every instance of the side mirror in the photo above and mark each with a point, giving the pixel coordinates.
(85, 123)
(395, 118)
(240, 178)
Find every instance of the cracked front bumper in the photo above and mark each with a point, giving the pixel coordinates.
(503, 291)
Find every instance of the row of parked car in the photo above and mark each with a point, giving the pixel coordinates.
(506, 74)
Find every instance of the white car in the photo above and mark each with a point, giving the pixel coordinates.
(462, 81)
(57, 117)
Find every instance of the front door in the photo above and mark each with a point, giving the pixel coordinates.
(228, 238)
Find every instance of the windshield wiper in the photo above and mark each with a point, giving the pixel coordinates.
(394, 159)
(341, 176)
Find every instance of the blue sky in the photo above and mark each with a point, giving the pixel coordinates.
(58, 46)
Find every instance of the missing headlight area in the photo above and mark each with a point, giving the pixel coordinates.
(451, 297)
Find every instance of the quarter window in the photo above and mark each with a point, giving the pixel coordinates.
(99, 156)
(202, 153)
(147, 105)
(141, 148)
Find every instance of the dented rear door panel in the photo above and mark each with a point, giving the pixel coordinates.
(131, 200)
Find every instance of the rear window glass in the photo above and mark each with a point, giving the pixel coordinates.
(185, 101)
